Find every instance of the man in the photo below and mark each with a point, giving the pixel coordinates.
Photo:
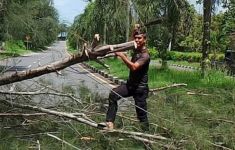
(137, 84)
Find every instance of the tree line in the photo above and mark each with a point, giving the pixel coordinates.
(167, 22)
(34, 21)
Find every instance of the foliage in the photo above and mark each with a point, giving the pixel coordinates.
(153, 53)
(203, 120)
(36, 19)
(14, 46)
(192, 56)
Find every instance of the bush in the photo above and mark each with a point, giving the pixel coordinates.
(153, 52)
(14, 46)
(191, 56)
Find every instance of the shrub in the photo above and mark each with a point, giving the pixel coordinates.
(14, 46)
(153, 53)
(191, 56)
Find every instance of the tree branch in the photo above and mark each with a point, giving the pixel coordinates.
(166, 87)
(157, 137)
(73, 116)
(41, 93)
(58, 65)
(55, 137)
(21, 115)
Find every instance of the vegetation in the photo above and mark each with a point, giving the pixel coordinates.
(197, 116)
(34, 23)
(195, 113)
(169, 24)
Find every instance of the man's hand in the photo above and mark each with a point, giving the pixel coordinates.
(121, 54)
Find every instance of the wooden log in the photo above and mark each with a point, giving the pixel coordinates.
(66, 62)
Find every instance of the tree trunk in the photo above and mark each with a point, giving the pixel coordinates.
(232, 40)
(105, 33)
(127, 21)
(71, 60)
(207, 7)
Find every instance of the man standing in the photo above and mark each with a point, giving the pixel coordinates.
(137, 83)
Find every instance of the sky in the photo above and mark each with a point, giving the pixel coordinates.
(68, 9)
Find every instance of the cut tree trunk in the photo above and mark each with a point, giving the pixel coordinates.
(71, 60)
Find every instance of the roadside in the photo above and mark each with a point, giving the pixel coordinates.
(72, 77)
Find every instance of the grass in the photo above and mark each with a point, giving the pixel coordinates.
(77, 134)
(159, 77)
(188, 121)
(13, 49)
(202, 120)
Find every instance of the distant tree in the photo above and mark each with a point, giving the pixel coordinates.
(37, 19)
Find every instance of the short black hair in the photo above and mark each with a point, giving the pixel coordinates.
(139, 32)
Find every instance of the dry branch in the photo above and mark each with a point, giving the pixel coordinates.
(42, 93)
(70, 60)
(21, 115)
(199, 94)
(167, 87)
(52, 112)
(157, 137)
(142, 139)
(79, 119)
(220, 146)
(55, 137)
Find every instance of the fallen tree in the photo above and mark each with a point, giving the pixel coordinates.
(82, 118)
(88, 54)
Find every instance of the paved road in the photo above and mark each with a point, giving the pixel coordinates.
(72, 78)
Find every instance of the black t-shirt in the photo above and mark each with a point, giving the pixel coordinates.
(139, 77)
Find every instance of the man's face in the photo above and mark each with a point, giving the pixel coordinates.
(140, 40)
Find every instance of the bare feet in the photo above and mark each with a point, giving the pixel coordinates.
(110, 125)
(106, 125)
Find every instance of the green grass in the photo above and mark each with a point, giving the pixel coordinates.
(188, 121)
(159, 77)
(117, 68)
(201, 120)
(13, 49)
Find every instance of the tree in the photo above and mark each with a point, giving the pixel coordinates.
(207, 8)
(36, 18)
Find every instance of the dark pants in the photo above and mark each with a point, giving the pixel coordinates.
(139, 94)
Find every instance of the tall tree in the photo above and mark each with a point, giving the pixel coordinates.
(207, 9)
(37, 19)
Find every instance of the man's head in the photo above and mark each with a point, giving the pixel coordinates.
(140, 38)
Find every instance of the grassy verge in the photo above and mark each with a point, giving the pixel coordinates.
(13, 49)
(201, 114)
(70, 49)
(158, 77)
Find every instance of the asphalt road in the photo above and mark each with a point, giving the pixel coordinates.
(70, 80)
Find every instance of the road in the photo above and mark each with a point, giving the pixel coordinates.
(72, 79)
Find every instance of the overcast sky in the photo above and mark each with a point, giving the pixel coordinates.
(68, 9)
